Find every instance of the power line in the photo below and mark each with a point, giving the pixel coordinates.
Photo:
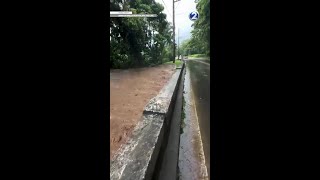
(167, 8)
(178, 4)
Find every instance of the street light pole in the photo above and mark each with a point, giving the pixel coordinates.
(174, 32)
(174, 38)
(178, 45)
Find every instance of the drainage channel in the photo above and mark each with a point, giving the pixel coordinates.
(191, 165)
(168, 163)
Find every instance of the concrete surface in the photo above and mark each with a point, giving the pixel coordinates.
(192, 165)
(200, 82)
(138, 158)
(169, 163)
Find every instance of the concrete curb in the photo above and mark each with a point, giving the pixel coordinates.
(138, 158)
(167, 168)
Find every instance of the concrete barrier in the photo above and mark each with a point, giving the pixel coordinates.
(138, 158)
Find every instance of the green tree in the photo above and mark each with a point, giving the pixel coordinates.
(200, 41)
(138, 42)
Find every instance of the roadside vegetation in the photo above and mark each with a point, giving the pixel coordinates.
(183, 115)
(199, 43)
(139, 42)
(177, 62)
(198, 55)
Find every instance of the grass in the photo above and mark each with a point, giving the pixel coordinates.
(183, 116)
(177, 63)
(197, 55)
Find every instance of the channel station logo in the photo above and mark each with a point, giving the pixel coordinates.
(193, 16)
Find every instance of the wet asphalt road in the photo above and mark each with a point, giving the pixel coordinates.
(200, 82)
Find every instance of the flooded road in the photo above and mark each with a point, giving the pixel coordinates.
(194, 156)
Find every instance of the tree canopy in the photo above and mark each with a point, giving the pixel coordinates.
(199, 43)
(138, 42)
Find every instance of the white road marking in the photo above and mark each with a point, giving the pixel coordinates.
(202, 156)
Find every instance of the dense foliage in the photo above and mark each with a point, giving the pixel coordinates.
(136, 42)
(200, 40)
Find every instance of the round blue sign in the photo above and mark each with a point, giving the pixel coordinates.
(193, 16)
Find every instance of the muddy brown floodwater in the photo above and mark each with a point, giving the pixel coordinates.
(130, 91)
(191, 156)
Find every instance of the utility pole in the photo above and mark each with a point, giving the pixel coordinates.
(174, 32)
(174, 38)
(178, 45)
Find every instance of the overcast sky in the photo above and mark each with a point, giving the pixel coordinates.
(182, 10)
